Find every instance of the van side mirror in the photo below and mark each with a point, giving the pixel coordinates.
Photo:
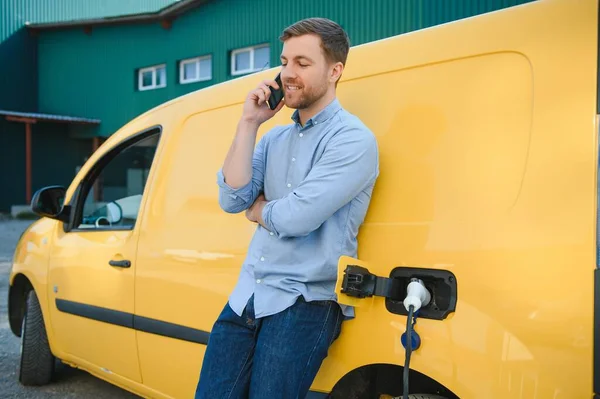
(49, 202)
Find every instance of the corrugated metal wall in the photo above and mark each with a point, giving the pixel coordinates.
(17, 48)
(55, 154)
(95, 75)
(17, 55)
(14, 13)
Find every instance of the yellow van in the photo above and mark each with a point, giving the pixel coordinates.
(488, 190)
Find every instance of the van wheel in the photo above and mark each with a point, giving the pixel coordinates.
(414, 396)
(37, 362)
(424, 396)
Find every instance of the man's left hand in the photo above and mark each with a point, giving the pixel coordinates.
(254, 213)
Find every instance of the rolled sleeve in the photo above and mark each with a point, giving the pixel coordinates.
(236, 200)
(233, 200)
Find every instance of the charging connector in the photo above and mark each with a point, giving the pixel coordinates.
(417, 296)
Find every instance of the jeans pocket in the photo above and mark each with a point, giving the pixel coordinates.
(337, 330)
(322, 303)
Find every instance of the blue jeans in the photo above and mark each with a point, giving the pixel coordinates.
(273, 357)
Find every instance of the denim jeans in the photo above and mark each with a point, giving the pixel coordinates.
(273, 357)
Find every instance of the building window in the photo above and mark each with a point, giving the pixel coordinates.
(250, 59)
(195, 69)
(152, 77)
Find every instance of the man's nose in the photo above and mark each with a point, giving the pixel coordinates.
(288, 73)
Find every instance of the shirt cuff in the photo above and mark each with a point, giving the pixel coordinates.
(267, 214)
(244, 192)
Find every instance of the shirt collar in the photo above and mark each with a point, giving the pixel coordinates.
(321, 116)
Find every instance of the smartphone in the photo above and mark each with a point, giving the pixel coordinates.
(276, 95)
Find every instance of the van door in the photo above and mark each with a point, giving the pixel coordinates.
(190, 254)
(92, 265)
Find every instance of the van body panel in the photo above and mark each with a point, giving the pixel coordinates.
(499, 190)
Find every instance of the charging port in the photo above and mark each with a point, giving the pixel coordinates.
(440, 283)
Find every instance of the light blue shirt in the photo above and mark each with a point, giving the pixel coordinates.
(318, 179)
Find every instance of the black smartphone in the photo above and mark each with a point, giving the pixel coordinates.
(276, 95)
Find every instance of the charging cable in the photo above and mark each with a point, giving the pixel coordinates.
(417, 296)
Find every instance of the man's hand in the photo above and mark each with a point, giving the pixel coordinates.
(256, 110)
(254, 213)
(237, 167)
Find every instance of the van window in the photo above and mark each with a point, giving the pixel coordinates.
(114, 193)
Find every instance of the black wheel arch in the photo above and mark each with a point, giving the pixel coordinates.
(17, 297)
(371, 380)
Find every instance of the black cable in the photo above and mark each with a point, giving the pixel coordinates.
(408, 350)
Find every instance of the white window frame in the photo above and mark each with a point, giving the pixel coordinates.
(154, 69)
(196, 60)
(242, 50)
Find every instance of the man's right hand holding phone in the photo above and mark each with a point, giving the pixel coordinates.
(237, 167)
(256, 110)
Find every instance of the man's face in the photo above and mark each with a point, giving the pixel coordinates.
(304, 71)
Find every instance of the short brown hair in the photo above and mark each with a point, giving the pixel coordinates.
(334, 40)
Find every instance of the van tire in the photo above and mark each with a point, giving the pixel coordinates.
(415, 396)
(424, 396)
(37, 361)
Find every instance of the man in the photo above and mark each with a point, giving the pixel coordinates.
(308, 186)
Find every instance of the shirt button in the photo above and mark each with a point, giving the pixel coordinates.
(262, 258)
(316, 122)
(301, 135)
(293, 159)
(289, 185)
(271, 233)
(258, 281)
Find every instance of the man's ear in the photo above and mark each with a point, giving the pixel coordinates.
(336, 72)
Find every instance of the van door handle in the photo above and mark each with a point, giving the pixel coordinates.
(120, 263)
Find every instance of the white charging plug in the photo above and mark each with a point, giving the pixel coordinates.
(416, 295)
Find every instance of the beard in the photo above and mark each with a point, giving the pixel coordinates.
(304, 96)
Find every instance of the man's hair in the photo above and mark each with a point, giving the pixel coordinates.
(334, 40)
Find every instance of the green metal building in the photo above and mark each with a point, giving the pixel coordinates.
(74, 71)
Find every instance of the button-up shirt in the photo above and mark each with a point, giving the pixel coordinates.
(318, 179)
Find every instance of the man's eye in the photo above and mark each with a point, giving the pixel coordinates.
(283, 65)
(303, 65)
